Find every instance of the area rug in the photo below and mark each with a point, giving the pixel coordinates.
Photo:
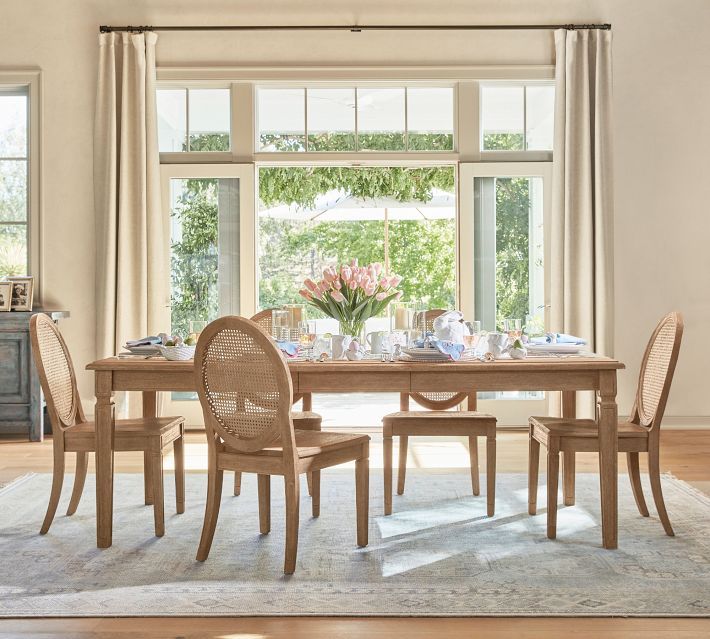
(437, 555)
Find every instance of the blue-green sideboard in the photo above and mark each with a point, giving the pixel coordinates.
(21, 403)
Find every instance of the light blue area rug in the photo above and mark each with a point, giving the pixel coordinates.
(438, 555)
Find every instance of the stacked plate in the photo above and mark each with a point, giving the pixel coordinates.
(555, 349)
(147, 349)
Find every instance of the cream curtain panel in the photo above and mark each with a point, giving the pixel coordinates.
(132, 234)
(581, 241)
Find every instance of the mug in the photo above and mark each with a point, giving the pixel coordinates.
(497, 344)
(378, 342)
(340, 344)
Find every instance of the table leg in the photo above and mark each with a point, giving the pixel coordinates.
(608, 457)
(104, 416)
(150, 409)
(307, 402)
(569, 411)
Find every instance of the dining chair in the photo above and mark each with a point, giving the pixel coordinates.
(246, 394)
(72, 432)
(302, 420)
(639, 434)
(438, 420)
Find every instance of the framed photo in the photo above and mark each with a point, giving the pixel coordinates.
(22, 291)
(5, 296)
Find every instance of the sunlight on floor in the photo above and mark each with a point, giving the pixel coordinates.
(422, 453)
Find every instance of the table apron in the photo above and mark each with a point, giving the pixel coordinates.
(153, 381)
(505, 381)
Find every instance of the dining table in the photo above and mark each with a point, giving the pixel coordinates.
(567, 374)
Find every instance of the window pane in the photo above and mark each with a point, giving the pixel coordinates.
(172, 120)
(13, 126)
(331, 119)
(204, 250)
(540, 117)
(430, 119)
(282, 119)
(13, 190)
(381, 120)
(209, 119)
(13, 249)
(502, 121)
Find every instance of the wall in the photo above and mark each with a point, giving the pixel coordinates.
(661, 65)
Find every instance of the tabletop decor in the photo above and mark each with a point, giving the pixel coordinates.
(352, 294)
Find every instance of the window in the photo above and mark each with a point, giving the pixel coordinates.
(517, 117)
(14, 180)
(352, 119)
(193, 119)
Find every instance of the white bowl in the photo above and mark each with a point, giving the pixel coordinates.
(177, 353)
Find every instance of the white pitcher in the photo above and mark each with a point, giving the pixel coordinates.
(497, 344)
(378, 341)
(340, 344)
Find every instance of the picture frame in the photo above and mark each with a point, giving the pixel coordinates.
(5, 296)
(22, 293)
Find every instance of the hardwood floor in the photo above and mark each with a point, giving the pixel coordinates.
(683, 453)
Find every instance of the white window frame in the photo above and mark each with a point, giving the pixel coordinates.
(32, 81)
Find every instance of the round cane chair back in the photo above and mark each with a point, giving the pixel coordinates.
(56, 372)
(263, 319)
(424, 321)
(243, 384)
(657, 368)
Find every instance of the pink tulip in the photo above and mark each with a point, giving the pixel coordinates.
(337, 284)
(380, 296)
(398, 296)
(370, 290)
(395, 280)
(310, 284)
(352, 285)
(353, 262)
(384, 282)
(324, 285)
(305, 294)
(378, 267)
(346, 273)
(337, 296)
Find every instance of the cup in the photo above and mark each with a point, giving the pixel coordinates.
(514, 328)
(279, 324)
(497, 344)
(378, 342)
(196, 327)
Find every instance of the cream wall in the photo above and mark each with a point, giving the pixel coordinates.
(661, 98)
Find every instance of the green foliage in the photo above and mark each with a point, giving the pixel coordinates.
(503, 142)
(430, 141)
(208, 142)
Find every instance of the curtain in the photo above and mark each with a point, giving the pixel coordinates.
(132, 234)
(581, 241)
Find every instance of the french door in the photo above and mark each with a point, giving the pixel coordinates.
(212, 253)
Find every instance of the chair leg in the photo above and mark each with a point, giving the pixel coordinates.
(292, 504)
(264, 488)
(533, 471)
(402, 472)
(632, 462)
(568, 470)
(654, 474)
(315, 492)
(553, 478)
(82, 463)
(237, 483)
(147, 479)
(179, 454)
(156, 463)
(214, 496)
(491, 474)
(387, 459)
(57, 481)
(362, 498)
(473, 455)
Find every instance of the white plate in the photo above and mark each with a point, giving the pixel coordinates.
(143, 350)
(555, 348)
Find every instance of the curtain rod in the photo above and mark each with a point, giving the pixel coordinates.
(360, 28)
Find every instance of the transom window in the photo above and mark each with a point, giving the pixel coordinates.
(193, 119)
(352, 119)
(517, 117)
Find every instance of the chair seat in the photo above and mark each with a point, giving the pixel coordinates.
(438, 422)
(306, 420)
(310, 443)
(562, 427)
(130, 434)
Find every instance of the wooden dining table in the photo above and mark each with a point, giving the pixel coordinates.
(566, 374)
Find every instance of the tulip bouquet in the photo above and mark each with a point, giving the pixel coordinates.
(352, 294)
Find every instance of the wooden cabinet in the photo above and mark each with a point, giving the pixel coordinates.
(21, 403)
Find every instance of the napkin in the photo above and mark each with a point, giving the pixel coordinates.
(145, 341)
(287, 348)
(558, 338)
(451, 349)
